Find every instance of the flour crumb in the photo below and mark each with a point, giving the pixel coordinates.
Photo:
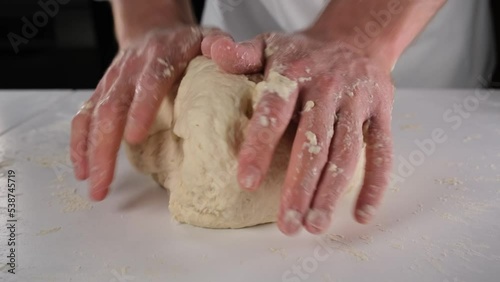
(280, 251)
(270, 50)
(273, 121)
(304, 79)
(168, 70)
(263, 121)
(334, 169)
(48, 231)
(6, 163)
(329, 133)
(278, 84)
(398, 246)
(366, 238)
(413, 126)
(308, 106)
(451, 181)
(312, 144)
(471, 138)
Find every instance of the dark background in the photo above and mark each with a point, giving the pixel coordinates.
(74, 48)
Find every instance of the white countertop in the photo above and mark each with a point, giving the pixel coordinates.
(441, 224)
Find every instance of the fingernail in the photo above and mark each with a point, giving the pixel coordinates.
(130, 125)
(366, 212)
(98, 194)
(317, 219)
(97, 178)
(250, 177)
(293, 219)
(79, 173)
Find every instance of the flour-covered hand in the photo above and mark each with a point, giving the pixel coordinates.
(343, 98)
(127, 99)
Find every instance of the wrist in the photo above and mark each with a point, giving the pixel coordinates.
(134, 19)
(379, 29)
(126, 36)
(382, 50)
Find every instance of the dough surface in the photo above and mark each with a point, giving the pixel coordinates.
(192, 151)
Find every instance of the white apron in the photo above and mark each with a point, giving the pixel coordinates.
(454, 51)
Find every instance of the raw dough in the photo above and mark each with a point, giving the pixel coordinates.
(192, 151)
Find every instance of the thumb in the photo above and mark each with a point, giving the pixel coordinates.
(237, 58)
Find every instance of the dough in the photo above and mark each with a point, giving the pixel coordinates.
(192, 151)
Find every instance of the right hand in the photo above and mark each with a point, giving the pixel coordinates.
(126, 101)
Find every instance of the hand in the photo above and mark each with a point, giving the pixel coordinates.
(127, 99)
(342, 96)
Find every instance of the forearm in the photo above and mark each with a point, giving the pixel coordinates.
(382, 29)
(133, 18)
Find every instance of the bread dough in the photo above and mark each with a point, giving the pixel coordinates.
(192, 151)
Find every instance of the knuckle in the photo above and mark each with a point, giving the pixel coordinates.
(273, 111)
(307, 188)
(112, 71)
(329, 199)
(248, 153)
(266, 137)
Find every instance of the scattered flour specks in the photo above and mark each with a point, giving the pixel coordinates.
(312, 144)
(168, 70)
(339, 242)
(71, 201)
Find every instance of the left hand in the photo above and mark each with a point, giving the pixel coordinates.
(342, 96)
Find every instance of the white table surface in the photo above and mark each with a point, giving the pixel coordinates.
(441, 224)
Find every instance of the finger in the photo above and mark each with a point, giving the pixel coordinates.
(378, 167)
(80, 125)
(79, 135)
(155, 82)
(106, 133)
(268, 123)
(238, 58)
(343, 157)
(209, 37)
(308, 157)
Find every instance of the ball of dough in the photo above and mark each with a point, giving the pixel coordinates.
(192, 151)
